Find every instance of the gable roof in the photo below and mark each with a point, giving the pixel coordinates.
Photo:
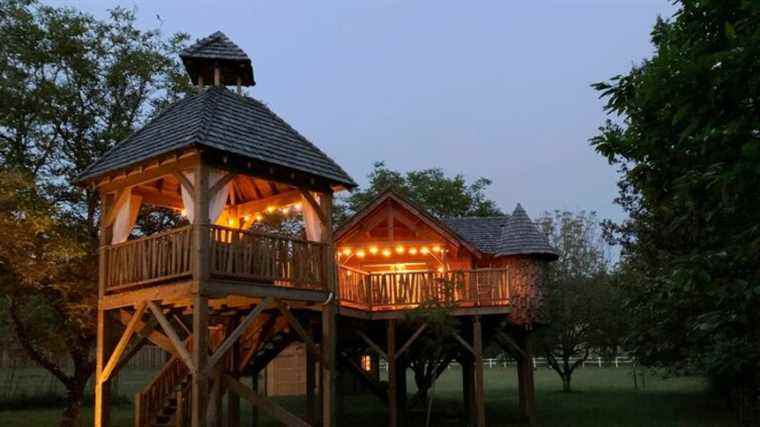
(431, 221)
(514, 234)
(219, 119)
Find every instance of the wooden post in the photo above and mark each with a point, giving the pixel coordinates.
(401, 392)
(468, 388)
(255, 409)
(525, 383)
(102, 410)
(233, 399)
(392, 375)
(329, 332)
(311, 362)
(477, 345)
(200, 270)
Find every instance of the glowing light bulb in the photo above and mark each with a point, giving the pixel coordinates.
(399, 249)
(360, 253)
(298, 206)
(247, 218)
(270, 209)
(436, 248)
(386, 253)
(183, 212)
(285, 210)
(412, 251)
(440, 269)
(373, 250)
(259, 217)
(230, 222)
(424, 250)
(346, 251)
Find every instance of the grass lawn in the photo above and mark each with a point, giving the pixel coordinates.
(603, 397)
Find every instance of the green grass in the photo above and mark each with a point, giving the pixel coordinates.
(602, 397)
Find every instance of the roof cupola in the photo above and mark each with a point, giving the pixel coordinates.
(217, 60)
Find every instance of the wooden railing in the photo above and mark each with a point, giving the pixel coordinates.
(160, 257)
(267, 258)
(149, 401)
(388, 291)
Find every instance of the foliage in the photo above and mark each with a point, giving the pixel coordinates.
(71, 87)
(688, 148)
(441, 195)
(578, 295)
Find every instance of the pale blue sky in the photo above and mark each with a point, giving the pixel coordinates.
(485, 88)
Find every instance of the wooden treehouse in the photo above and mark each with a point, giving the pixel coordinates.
(223, 295)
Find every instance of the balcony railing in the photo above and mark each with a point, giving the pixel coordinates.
(233, 255)
(393, 291)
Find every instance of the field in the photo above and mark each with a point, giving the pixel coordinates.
(603, 397)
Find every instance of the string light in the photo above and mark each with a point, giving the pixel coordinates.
(412, 251)
(259, 217)
(271, 209)
(386, 253)
(373, 250)
(440, 269)
(298, 206)
(346, 251)
(230, 221)
(424, 250)
(247, 218)
(183, 212)
(360, 253)
(436, 248)
(285, 210)
(399, 249)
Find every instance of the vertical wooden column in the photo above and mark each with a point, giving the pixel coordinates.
(401, 392)
(329, 332)
(233, 399)
(311, 367)
(102, 410)
(477, 346)
(525, 382)
(254, 408)
(392, 375)
(200, 269)
(468, 389)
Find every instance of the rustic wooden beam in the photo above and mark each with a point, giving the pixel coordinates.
(184, 182)
(121, 199)
(314, 205)
(141, 175)
(464, 343)
(480, 398)
(220, 184)
(172, 334)
(199, 394)
(148, 331)
(122, 344)
(129, 354)
(241, 328)
(410, 341)
(509, 342)
(301, 332)
(273, 409)
(372, 344)
(392, 374)
(261, 205)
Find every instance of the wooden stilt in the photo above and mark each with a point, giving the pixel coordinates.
(233, 400)
(526, 387)
(468, 388)
(392, 375)
(477, 345)
(401, 392)
(102, 388)
(200, 356)
(255, 409)
(311, 362)
(327, 350)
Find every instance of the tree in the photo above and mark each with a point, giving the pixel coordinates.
(688, 148)
(71, 87)
(577, 292)
(440, 195)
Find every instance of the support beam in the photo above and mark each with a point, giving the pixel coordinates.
(410, 341)
(122, 344)
(311, 368)
(464, 342)
(235, 335)
(296, 325)
(179, 346)
(102, 388)
(273, 409)
(314, 205)
(220, 184)
(200, 356)
(372, 344)
(392, 375)
(477, 344)
(329, 374)
(233, 400)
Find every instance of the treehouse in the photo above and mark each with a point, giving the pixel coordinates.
(220, 295)
(223, 294)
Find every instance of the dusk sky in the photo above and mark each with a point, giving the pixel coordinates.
(498, 89)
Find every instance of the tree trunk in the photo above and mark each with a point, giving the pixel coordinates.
(70, 416)
(566, 384)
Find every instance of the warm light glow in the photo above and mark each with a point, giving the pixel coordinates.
(386, 253)
(259, 217)
(400, 267)
(270, 209)
(298, 206)
(366, 363)
(399, 249)
(285, 210)
(436, 248)
(346, 251)
(440, 269)
(247, 218)
(424, 250)
(183, 212)
(360, 253)
(412, 251)
(230, 222)
(373, 250)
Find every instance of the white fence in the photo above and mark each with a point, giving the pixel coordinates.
(541, 362)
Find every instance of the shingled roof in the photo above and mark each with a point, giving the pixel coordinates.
(219, 119)
(514, 234)
(217, 49)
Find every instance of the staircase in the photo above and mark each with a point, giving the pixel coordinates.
(165, 401)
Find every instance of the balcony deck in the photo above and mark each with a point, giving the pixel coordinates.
(267, 261)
